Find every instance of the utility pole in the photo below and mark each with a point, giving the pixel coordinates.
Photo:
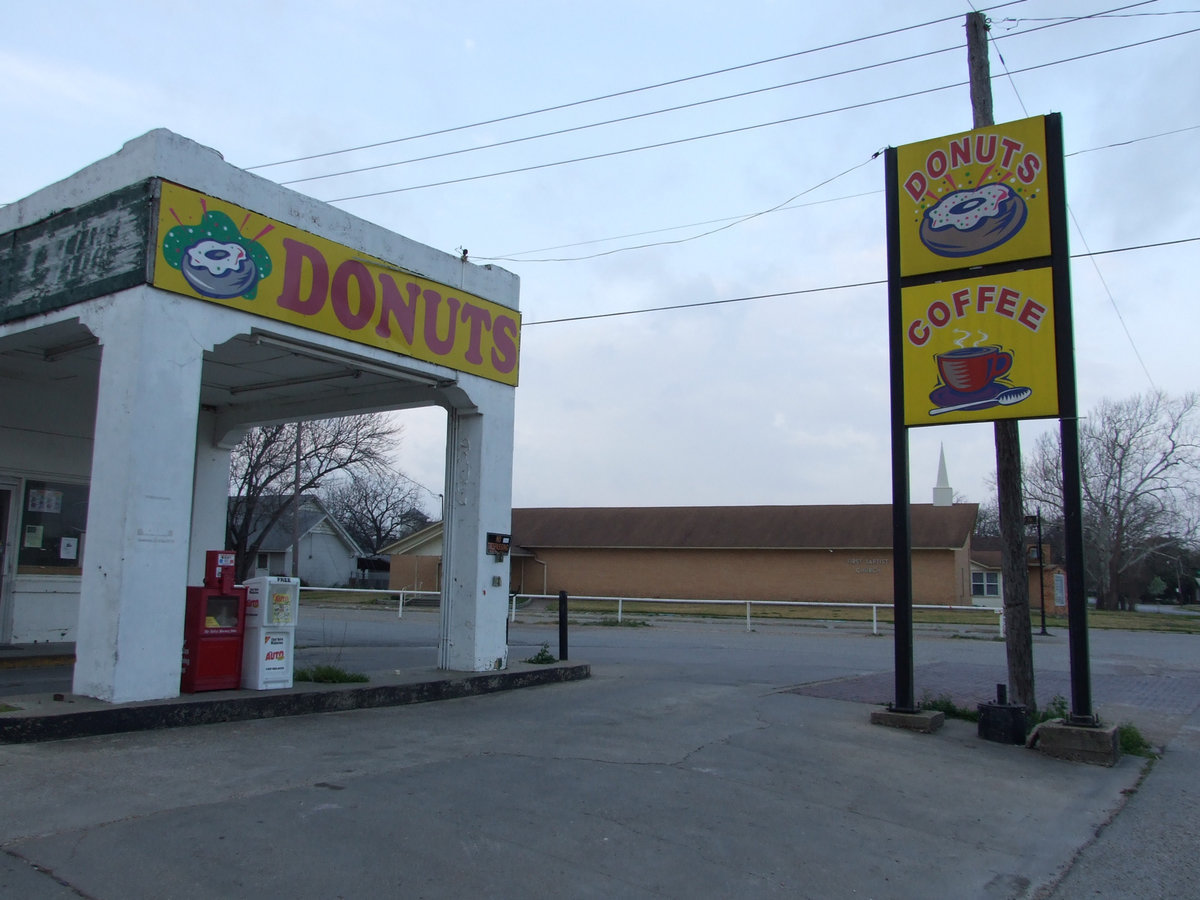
(1018, 632)
(296, 506)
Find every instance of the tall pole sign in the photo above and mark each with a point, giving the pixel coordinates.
(979, 312)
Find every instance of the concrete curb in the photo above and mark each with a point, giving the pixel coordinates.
(25, 727)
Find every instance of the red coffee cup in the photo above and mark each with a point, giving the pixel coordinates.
(971, 369)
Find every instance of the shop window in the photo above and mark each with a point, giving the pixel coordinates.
(985, 584)
(53, 522)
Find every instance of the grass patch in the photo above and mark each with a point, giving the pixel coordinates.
(951, 710)
(1133, 743)
(4, 707)
(614, 622)
(325, 674)
(1056, 709)
(346, 598)
(543, 657)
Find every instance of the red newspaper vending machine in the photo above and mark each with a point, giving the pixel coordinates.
(214, 627)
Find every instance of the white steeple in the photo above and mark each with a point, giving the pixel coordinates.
(943, 494)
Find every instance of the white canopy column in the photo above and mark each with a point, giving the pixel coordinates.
(133, 591)
(479, 450)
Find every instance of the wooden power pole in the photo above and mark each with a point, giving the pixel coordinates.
(1018, 631)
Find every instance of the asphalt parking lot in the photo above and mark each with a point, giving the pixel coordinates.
(698, 760)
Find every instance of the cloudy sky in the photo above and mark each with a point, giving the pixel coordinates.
(689, 192)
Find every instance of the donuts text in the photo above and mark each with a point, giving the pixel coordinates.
(978, 149)
(363, 297)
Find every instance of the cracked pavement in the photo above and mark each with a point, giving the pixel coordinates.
(688, 765)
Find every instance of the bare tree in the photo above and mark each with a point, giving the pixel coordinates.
(1139, 460)
(264, 465)
(376, 508)
(987, 523)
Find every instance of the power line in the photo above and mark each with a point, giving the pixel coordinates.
(625, 93)
(522, 256)
(1104, 283)
(816, 290)
(693, 237)
(661, 111)
(622, 119)
(730, 131)
(514, 256)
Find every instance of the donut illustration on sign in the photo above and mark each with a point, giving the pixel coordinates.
(969, 222)
(215, 259)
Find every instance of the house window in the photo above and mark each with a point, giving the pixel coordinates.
(985, 584)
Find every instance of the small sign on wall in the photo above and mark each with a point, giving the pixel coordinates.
(498, 544)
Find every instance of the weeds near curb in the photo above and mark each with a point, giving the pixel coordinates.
(543, 657)
(325, 674)
(943, 704)
(1133, 742)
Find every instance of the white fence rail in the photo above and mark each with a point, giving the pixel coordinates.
(405, 596)
(748, 604)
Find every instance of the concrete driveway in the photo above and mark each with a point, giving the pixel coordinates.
(699, 760)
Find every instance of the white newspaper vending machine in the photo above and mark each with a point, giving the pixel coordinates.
(272, 607)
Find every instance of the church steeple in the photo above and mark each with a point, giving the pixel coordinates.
(943, 494)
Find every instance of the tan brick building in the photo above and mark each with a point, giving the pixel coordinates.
(815, 553)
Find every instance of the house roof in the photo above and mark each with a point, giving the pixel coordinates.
(414, 541)
(279, 536)
(742, 527)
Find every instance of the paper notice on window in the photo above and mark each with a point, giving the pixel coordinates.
(33, 537)
(45, 501)
(68, 548)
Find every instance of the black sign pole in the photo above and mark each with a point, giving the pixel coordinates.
(901, 518)
(1081, 677)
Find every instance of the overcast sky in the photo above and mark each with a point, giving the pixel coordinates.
(717, 397)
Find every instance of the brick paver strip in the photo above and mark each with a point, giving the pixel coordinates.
(967, 684)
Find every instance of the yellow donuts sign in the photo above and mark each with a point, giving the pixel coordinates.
(974, 198)
(217, 251)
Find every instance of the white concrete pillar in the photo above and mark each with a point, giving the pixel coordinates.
(479, 451)
(129, 640)
(210, 494)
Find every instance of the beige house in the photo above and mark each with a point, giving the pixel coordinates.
(1047, 581)
(815, 553)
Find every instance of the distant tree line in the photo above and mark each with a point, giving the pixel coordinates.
(1140, 480)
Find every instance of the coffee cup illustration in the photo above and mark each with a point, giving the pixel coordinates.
(970, 369)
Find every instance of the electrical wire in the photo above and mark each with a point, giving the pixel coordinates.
(746, 128)
(1099, 274)
(622, 119)
(628, 92)
(816, 290)
(693, 237)
(522, 256)
(698, 103)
